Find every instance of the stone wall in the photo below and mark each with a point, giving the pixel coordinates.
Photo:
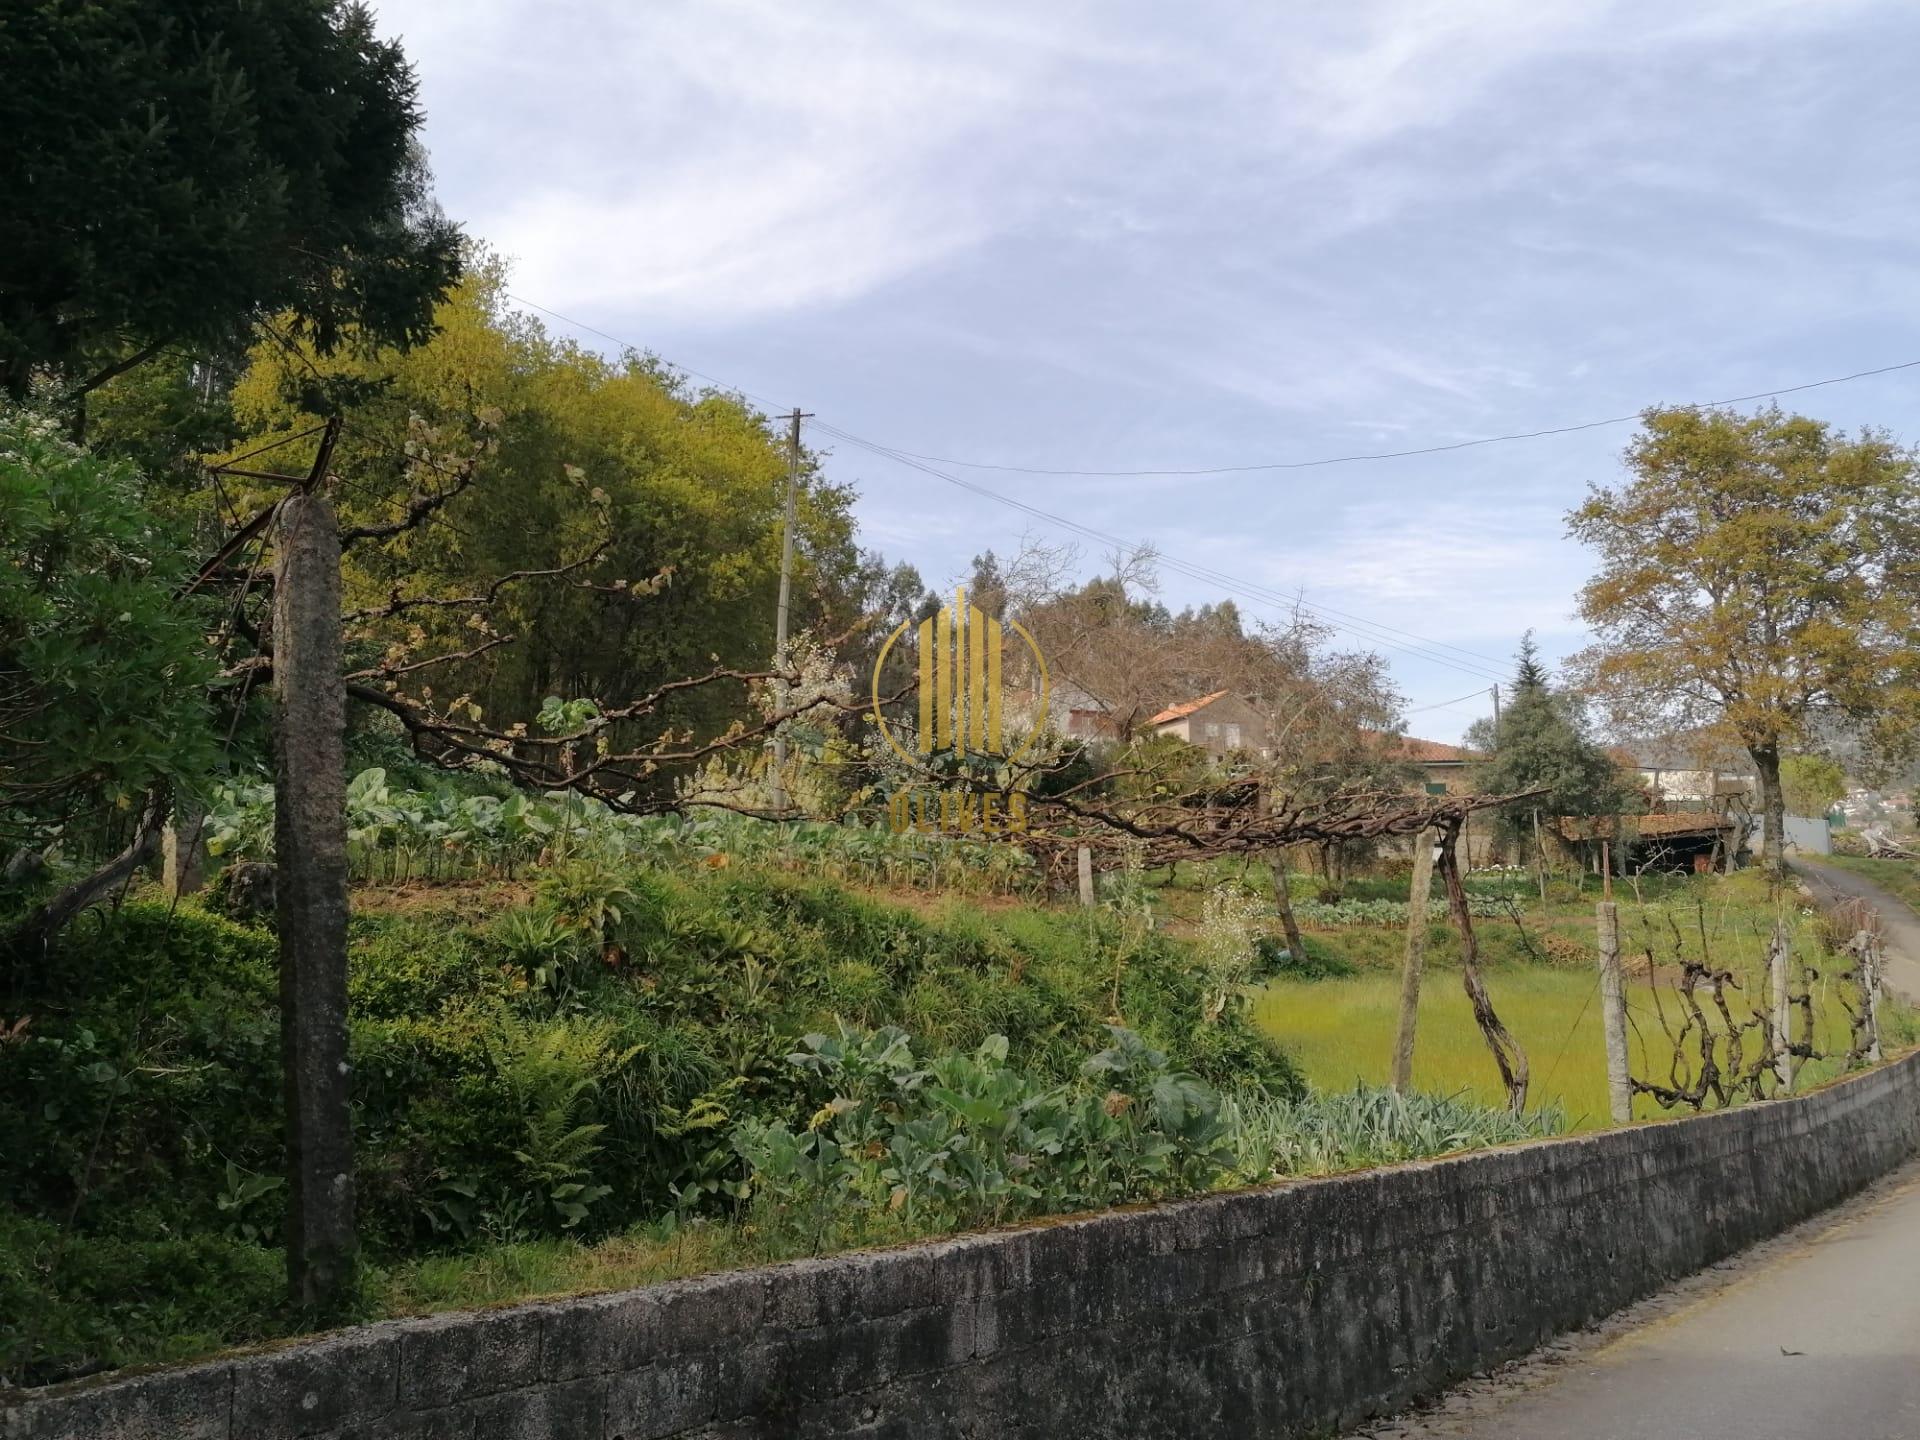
(1285, 1311)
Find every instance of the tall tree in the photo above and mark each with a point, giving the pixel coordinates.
(175, 172)
(103, 669)
(688, 484)
(1757, 573)
(1812, 784)
(1541, 742)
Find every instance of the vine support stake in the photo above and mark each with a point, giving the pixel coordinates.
(1870, 982)
(1415, 960)
(1613, 1014)
(1086, 876)
(183, 848)
(1777, 957)
(1507, 1053)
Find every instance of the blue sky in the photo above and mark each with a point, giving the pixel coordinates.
(1140, 235)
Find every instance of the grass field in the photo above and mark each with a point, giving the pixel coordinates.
(1340, 1032)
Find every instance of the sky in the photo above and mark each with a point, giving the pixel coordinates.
(1137, 236)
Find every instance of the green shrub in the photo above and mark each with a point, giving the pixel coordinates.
(1317, 962)
(1322, 1133)
(99, 1302)
(965, 1138)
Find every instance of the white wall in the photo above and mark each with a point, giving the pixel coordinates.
(1809, 835)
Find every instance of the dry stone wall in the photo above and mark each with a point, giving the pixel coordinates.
(1286, 1311)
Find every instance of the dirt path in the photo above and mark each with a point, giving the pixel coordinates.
(1902, 925)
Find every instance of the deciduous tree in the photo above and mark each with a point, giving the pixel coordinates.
(1757, 573)
(1812, 784)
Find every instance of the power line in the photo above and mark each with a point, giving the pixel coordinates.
(1444, 704)
(1181, 567)
(1358, 626)
(1216, 578)
(1420, 450)
(629, 345)
(1368, 630)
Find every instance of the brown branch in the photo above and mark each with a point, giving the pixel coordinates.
(32, 935)
(120, 367)
(420, 507)
(398, 604)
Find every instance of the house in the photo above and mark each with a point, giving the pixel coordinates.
(1079, 714)
(1674, 778)
(1221, 724)
(1444, 769)
(1071, 711)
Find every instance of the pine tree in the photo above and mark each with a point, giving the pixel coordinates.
(1541, 742)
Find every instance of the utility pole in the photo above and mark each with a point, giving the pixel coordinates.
(786, 594)
(310, 855)
(1496, 707)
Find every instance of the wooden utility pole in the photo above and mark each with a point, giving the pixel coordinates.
(786, 593)
(1418, 891)
(1496, 707)
(310, 854)
(1613, 1014)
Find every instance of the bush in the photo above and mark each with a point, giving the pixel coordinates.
(99, 1302)
(1318, 962)
(565, 1069)
(967, 1139)
(1321, 1134)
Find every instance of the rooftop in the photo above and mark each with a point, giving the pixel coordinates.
(1422, 752)
(1185, 708)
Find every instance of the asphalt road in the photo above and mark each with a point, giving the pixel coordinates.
(1814, 1335)
(1816, 1338)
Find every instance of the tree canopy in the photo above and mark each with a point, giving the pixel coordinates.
(1812, 784)
(176, 172)
(1542, 742)
(1756, 574)
(675, 484)
(103, 668)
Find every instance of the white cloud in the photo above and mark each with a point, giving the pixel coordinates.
(720, 161)
(1128, 234)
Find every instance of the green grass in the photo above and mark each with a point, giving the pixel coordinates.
(1340, 1031)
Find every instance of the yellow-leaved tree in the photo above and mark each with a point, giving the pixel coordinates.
(1759, 578)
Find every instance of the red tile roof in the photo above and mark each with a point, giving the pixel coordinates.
(1421, 752)
(1185, 708)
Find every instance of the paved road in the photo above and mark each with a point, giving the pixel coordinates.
(1814, 1335)
(1902, 925)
